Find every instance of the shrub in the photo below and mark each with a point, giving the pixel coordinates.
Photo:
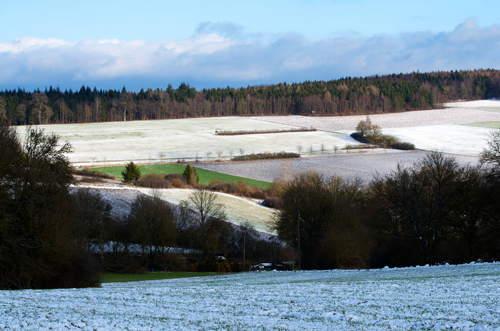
(177, 183)
(180, 177)
(91, 173)
(90, 180)
(237, 188)
(266, 156)
(243, 132)
(273, 202)
(154, 181)
(403, 146)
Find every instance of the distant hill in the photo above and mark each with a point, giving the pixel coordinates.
(345, 96)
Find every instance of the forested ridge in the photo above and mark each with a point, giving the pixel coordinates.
(345, 96)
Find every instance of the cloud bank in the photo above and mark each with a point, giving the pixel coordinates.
(218, 54)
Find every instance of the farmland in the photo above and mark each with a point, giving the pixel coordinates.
(172, 140)
(464, 297)
(111, 143)
(205, 176)
(364, 165)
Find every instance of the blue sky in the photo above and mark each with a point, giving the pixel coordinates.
(208, 44)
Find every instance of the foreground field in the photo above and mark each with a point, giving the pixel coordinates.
(464, 297)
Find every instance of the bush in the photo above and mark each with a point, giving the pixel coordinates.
(177, 183)
(402, 146)
(90, 180)
(91, 173)
(273, 202)
(243, 132)
(266, 156)
(237, 188)
(180, 177)
(154, 181)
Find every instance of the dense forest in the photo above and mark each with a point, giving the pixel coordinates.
(345, 96)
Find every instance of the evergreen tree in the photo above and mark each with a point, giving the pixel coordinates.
(191, 175)
(131, 173)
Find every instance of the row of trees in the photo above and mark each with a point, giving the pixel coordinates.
(344, 96)
(433, 211)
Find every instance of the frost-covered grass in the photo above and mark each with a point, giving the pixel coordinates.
(478, 104)
(393, 120)
(452, 139)
(205, 176)
(149, 141)
(464, 297)
(121, 278)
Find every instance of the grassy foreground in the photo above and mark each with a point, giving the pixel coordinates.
(120, 278)
(205, 176)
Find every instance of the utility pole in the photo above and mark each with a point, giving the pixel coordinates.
(275, 264)
(298, 234)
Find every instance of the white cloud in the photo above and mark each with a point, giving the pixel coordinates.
(210, 59)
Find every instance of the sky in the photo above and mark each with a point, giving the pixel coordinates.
(110, 44)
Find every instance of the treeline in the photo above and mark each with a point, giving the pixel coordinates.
(346, 96)
(433, 211)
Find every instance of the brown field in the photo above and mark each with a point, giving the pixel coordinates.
(364, 166)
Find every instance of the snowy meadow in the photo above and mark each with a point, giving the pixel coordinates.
(458, 297)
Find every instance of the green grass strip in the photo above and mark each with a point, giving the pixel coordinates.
(205, 176)
(120, 278)
(488, 125)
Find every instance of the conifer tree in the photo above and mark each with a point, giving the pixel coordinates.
(191, 175)
(131, 173)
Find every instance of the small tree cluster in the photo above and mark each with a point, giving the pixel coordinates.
(369, 131)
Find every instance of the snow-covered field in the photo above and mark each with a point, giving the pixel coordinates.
(150, 141)
(396, 120)
(463, 297)
(451, 139)
(239, 210)
(430, 130)
(104, 143)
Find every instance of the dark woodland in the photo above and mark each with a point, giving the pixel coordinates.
(345, 96)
